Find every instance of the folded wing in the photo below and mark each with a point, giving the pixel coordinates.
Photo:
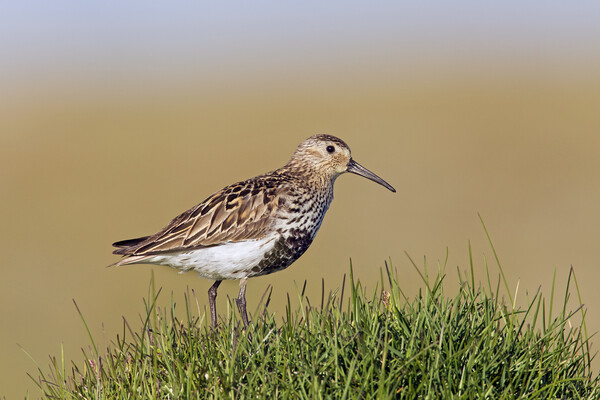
(243, 211)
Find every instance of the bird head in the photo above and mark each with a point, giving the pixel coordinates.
(329, 156)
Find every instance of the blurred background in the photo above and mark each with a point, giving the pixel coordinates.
(116, 117)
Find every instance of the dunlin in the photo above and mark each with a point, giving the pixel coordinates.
(255, 227)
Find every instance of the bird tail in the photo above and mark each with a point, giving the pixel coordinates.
(129, 260)
(127, 248)
(123, 244)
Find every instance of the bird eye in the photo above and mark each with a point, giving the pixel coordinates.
(330, 149)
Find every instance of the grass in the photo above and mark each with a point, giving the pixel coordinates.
(351, 344)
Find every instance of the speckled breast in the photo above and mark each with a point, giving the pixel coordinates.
(304, 220)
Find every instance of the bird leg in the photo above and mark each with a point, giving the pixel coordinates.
(212, 297)
(241, 301)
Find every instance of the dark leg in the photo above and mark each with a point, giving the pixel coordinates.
(241, 301)
(212, 296)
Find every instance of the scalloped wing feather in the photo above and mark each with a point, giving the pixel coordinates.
(242, 211)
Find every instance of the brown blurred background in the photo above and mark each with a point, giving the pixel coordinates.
(113, 119)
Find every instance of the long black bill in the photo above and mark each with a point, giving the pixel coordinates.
(358, 169)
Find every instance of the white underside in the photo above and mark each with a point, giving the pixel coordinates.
(225, 261)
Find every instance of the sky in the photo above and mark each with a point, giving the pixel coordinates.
(40, 40)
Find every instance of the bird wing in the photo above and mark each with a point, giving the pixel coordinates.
(242, 211)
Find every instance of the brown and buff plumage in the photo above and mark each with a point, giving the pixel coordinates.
(254, 227)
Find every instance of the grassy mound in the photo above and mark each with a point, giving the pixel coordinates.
(471, 345)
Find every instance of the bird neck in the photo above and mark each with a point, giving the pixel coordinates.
(309, 176)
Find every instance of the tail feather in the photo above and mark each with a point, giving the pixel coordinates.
(129, 246)
(130, 242)
(129, 260)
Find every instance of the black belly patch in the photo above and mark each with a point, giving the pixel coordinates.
(284, 253)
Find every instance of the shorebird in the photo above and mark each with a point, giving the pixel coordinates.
(254, 227)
